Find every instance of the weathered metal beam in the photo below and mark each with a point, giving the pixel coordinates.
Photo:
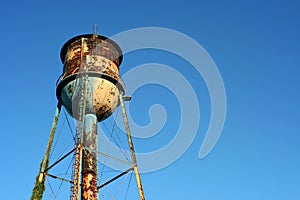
(39, 187)
(59, 178)
(59, 160)
(131, 147)
(114, 178)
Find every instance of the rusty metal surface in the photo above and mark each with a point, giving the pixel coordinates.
(65, 47)
(89, 189)
(76, 187)
(101, 58)
(98, 56)
(104, 95)
(90, 142)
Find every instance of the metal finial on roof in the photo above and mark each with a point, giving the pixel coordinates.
(95, 30)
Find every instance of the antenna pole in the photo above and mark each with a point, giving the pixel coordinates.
(131, 147)
(95, 30)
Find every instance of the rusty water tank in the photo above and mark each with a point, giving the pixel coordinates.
(98, 59)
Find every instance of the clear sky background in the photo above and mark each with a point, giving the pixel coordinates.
(255, 45)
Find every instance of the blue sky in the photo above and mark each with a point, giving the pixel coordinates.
(256, 47)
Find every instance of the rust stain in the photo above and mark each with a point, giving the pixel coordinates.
(100, 57)
(101, 52)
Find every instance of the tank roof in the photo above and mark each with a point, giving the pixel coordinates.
(64, 48)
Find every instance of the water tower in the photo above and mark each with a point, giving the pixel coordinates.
(90, 89)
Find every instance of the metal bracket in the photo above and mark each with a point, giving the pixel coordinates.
(127, 98)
